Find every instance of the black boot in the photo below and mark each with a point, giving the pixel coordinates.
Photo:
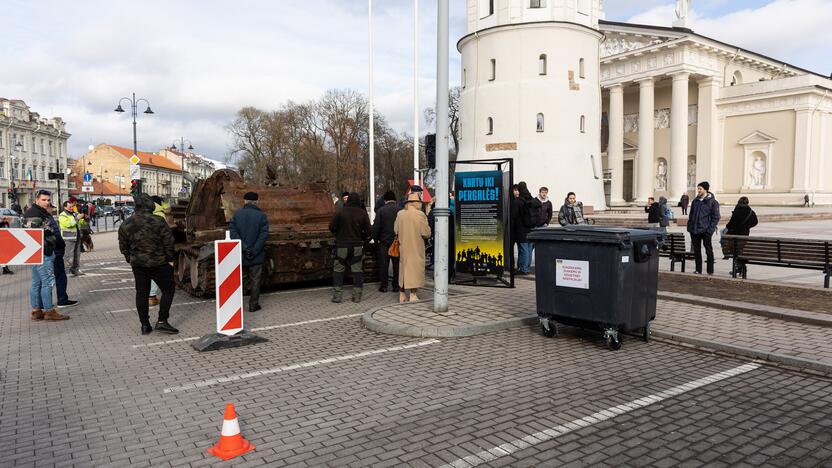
(165, 327)
(7, 271)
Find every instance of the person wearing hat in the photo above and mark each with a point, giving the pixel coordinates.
(412, 228)
(342, 201)
(702, 223)
(251, 226)
(351, 226)
(147, 244)
(384, 236)
(159, 211)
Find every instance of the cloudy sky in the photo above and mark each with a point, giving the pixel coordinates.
(199, 61)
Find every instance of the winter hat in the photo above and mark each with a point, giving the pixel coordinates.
(251, 196)
(705, 185)
(389, 195)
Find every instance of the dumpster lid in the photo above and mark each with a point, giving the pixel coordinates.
(601, 235)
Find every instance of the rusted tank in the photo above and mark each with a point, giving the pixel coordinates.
(299, 248)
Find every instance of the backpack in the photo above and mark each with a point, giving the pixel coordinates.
(533, 213)
(668, 213)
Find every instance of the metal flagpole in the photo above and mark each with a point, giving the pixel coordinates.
(441, 212)
(415, 92)
(372, 201)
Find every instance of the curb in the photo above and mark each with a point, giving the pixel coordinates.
(370, 323)
(789, 315)
(800, 363)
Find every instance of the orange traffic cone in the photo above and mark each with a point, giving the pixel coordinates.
(231, 443)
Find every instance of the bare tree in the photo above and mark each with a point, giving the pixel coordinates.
(453, 120)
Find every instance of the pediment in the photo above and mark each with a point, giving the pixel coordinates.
(618, 43)
(629, 145)
(757, 137)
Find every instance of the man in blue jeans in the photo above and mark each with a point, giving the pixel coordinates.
(43, 275)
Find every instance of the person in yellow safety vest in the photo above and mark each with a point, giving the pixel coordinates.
(68, 222)
(159, 209)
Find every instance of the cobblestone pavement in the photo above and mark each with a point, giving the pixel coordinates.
(323, 391)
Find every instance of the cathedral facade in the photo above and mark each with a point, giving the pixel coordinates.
(673, 108)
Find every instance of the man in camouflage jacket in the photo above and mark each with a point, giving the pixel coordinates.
(146, 242)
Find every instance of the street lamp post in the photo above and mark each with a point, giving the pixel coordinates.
(182, 142)
(17, 147)
(134, 107)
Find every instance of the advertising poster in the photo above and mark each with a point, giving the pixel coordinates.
(480, 223)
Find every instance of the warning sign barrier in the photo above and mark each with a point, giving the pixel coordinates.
(229, 285)
(21, 246)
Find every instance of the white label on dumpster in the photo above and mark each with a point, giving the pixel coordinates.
(572, 273)
(625, 259)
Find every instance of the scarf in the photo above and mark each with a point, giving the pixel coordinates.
(577, 212)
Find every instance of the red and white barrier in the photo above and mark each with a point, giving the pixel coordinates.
(229, 285)
(21, 246)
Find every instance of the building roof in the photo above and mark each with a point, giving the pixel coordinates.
(149, 159)
(109, 187)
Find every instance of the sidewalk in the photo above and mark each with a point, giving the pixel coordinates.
(786, 338)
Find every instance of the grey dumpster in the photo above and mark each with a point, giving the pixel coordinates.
(596, 277)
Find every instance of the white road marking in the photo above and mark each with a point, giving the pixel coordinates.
(562, 429)
(301, 365)
(272, 327)
(110, 289)
(172, 305)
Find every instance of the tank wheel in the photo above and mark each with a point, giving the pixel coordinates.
(194, 264)
(614, 342)
(645, 333)
(550, 329)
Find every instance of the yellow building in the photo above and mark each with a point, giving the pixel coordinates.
(111, 163)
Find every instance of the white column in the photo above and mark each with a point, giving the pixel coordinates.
(646, 158)
(679, 137)
(615, 150)
(802, 149)
(707, 147)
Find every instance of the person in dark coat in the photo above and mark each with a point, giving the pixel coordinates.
(60, 267)
(547, 209)
(654, 214)
(384, 236)
(572, 211)
(351, 226)
(43, 275)
(251, 226)
(684, 201)
(146, 242)
(521, 227)
(702, 223)
(743, 218)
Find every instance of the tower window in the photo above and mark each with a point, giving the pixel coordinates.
(537, 3)
(493, 75)
(539, 122)
(486, 8)
(541, 64)
(581, 68)
(490, 125)
(464, 77)
(583, 124)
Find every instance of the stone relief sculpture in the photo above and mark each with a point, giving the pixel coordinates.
(758, 172)
(661, 176)
(662, 118)
(631, 123)
(620, 45)
(692, 173)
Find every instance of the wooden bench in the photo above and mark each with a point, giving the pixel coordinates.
(674, 248)
(807, 254)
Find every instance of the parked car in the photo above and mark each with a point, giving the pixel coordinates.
(107, 210)
(11, 217)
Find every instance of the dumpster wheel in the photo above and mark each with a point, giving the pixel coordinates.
(549, 328)
(613, 339)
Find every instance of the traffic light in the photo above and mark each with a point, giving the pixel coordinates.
(135, 188)
(430, 150)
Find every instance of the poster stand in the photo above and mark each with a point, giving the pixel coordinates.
(490, 222)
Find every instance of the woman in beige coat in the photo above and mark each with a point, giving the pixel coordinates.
(412, 229)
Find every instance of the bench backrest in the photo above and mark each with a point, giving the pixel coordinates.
(805, 251)
(675, 242)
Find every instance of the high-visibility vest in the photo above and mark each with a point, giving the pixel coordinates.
(69, 225)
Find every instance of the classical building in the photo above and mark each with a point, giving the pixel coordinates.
(31, 147)
(111, 163)
(675, 107)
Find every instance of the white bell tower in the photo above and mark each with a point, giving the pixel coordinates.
(531, 92)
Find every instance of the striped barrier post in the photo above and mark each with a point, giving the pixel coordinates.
(21, 246)
(231, 333)
(228, 265)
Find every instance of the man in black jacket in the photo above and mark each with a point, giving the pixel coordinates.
(43, 275)
(702, 223)
(654, 212)
(251, 226)
(146, 242)
(351, 226)
(384, 235)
